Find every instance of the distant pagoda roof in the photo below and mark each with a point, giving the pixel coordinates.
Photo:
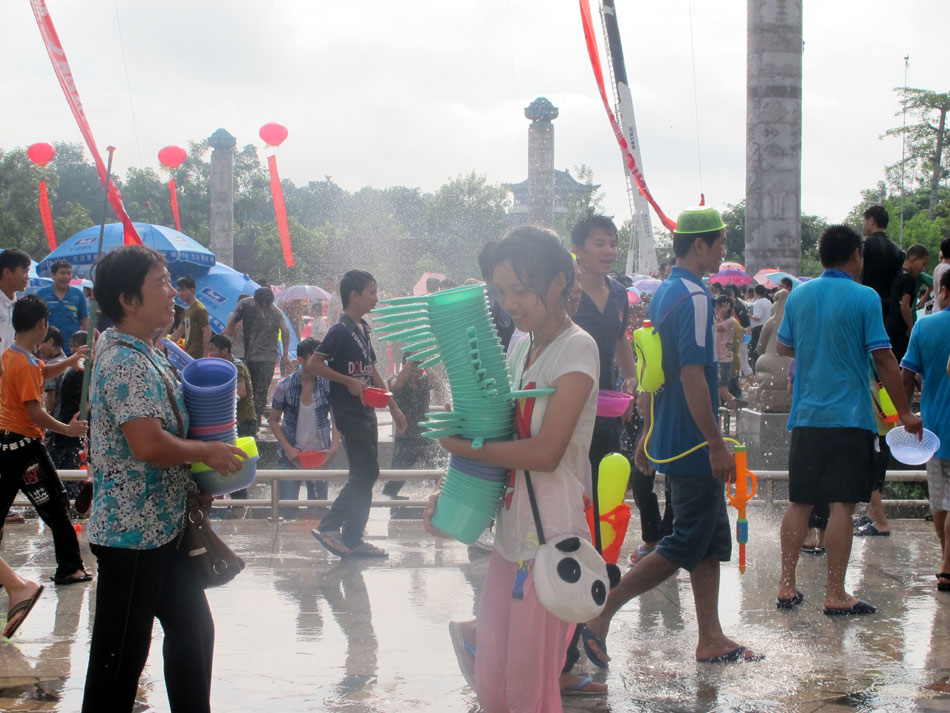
(566, 187)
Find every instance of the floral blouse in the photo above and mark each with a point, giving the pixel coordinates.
(137, 505)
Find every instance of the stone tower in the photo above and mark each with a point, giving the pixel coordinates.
(222, 196)
(541, 112)
(774, 136)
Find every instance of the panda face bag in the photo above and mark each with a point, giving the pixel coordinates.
(570, 579)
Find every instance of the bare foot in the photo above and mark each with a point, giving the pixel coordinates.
(840, 602)
(600, 628)
(569, 680)
(19, 594)
(723, 646)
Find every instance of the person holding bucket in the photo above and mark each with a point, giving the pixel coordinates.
(139, 466)
(519, 645)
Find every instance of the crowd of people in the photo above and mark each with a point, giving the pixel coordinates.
(566, 323)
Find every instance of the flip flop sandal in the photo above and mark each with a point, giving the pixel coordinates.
(870, 531)
(639, 554)
(789, 603)
(463, 650)
(859, 607)
(943, 582)
(24, 607)
(734, 656)
(64, 581)
(588, 636)
(578, 689)
(331, 542)
(813, 550)
(365, 549)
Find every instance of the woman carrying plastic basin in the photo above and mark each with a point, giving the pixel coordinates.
(139, 466)
(533, 275)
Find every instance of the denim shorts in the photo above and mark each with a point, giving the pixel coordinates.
(700, 522)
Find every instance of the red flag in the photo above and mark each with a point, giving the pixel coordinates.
(280, 210)
(174, 201)
(47, 216)
(57, 56)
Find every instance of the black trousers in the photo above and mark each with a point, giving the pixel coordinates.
(133, 588)
(652, 526)
(350, 510)
(754, 345)
(409, 453)
(29, 468)
(261, 374)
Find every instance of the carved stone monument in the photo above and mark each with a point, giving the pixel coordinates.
(770, 392)
(541, 112)
(222, 195)
(774, 135)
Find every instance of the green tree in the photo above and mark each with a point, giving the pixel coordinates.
(734, 219)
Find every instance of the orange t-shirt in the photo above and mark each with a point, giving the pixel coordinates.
(22, 381)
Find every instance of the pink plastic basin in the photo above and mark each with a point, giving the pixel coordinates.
(612, 403)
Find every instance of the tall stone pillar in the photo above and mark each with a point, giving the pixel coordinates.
(541, 112)
(774, 136)
(222, 196)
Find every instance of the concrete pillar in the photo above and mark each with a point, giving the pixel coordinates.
(541, 112)
(222, 195)
(774, 136)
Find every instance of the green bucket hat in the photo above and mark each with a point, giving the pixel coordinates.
(700, 219)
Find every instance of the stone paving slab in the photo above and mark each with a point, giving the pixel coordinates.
(300, 631)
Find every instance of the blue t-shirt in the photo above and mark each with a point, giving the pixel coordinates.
(349, 351)
(833, 323)
(65, 314)
(605, 327)
(927, 355)
(682, 312)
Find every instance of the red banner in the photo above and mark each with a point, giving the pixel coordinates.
(280, 210)
(57, 56)
(174, 202)
(47, 216)
(629, 161)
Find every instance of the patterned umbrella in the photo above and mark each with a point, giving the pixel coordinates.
(731, 276)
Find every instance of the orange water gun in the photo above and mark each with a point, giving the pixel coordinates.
(740, 493)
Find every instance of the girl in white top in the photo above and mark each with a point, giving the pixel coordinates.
(520, 645)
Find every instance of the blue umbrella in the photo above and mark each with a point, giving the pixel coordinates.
(81, 249)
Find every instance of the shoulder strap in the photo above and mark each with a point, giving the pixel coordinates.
(534, 508)
(168, 386)
(673, 306)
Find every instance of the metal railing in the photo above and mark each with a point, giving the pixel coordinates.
(765, 496)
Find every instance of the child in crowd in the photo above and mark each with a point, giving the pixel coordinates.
(25, 463)
(725, 335)
(347, 360)
(64, 450)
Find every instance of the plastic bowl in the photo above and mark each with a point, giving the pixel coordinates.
(612, 403)
(213, 483)
(460, 520)
(906, 448)
(376, 398)
(311, 460)
(209, 376)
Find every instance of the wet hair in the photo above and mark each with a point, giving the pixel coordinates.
(432, 284)
(786, 281)
(78, 338)
(916, 251)
(243, 296)
(220, 341)
(484, 259)
(878, 214)
(59, 265)
(306, 348)
(121, 273)
(716, 287)
(683, 242)
(945, 248)
(354, 281)
(264, 296)
(586, 226)
(837, 244)
(186, 282)
(28, 312)
(11, 259)
(723, 300)
(54, 335)
(537, 258)
(944, 280)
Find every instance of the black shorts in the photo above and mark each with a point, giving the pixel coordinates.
(882, 458)
(834, 465)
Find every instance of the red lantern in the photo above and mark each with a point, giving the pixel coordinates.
(172, 156)
(273, 134)
(41, 154)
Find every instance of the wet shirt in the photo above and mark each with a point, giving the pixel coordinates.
(261, 327)
(287, 400)
(882, 262)
(682, 311)
(348, 350)
(927, 355)
(831, 351)
(605, 327)
(138, 505)
(196, 319)
(245, 406)
(904, 284)
(22, 382)
(65, 314)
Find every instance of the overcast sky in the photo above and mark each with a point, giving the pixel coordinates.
(415, 92)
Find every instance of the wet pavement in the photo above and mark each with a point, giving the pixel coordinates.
(300, 631)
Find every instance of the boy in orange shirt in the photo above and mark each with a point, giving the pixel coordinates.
(24, 462)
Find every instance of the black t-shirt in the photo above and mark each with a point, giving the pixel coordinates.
(605, 327)
(349, 351)
(882, 261)
(904, 284)
(413, 400)
(70, 396)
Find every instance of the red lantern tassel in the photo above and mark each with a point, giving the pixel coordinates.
(280, 210)
(174, 200)
(47, 216)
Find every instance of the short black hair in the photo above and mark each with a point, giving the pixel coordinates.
(945, 248)
(264, 296)
(306, 347)
(878, 214)
(78, 338)
(28, 312)
(536, 256)
(683, 242)
(52, 333)
(760, 290)
(916, 251)
(837, 244)
(484, 259)
(432, 284)
(58, 265)
(121, 273)
(723, 300)
(220, 341)
(587, 225)
(11, 259)
(186, 282)
(354, 281)
(788, 280)
(944, 280)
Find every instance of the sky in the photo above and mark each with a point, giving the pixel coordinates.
(414, 93)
